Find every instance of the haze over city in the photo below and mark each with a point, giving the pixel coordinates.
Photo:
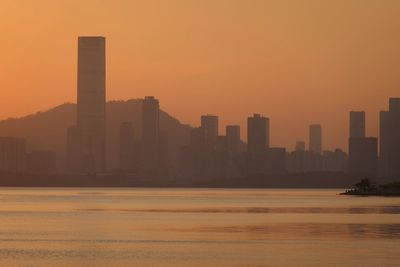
(200, 133)
(296, 62)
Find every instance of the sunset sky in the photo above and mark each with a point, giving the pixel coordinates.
(296, 62)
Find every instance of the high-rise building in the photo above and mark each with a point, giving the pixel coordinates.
(363, 151)
(363, 156)
(390, 140)
(394, 104)
(315, 139)
(91, 110)
(12, 154)
(233, 138)
(210, 124)
(150, 135)
(257, 134)
(357, 124)
(384, 143)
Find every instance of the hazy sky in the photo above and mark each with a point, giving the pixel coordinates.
(296, 62)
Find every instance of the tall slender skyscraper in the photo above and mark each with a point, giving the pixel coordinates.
(390, 140)
(315, 139)
(150, 135)
(257, 134)
(210, 124)
(394, 137)
(384, 143)
(357, 124)
(91, 112)
(363, 151)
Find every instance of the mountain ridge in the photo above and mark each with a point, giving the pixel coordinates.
(48, 129)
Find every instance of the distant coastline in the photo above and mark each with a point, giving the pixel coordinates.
(307, 180)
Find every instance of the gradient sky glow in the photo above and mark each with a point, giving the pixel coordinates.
(297, 62)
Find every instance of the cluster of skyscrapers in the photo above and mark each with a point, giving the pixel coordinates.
(208, 155)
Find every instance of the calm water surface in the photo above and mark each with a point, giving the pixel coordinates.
(196, 227)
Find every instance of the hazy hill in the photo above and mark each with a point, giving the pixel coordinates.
(47, 129)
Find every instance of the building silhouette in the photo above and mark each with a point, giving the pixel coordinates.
(363, 156)
(389, 152)
(357, 124)
(257, 134)
(363, 151)
(315, 139)
(91, 108)
(210, 124)
(12, 155)
(150, 136)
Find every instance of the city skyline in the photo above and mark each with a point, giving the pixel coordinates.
(281, 63)
(209, 154)
(200, 133)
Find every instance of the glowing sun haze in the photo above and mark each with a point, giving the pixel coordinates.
(296, 62)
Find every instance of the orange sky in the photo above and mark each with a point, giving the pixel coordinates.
(297, 62)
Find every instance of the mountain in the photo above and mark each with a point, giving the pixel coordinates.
(48, 129)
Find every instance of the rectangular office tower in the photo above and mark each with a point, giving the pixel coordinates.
(315, 142)
(257, 134)
(210, 124)
(91, 112)
(357, 124)
(150, 135)
(363, 156)
(363, 151)
(389, 151)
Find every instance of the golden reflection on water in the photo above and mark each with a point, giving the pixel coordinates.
(202, 227)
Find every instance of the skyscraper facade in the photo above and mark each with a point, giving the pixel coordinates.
(390, 140)
(257, 134)
(210, 124)
(363, 156)
(315, 139)
(150, 135)
(357, 124)
(363, 151)
(91, 110)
